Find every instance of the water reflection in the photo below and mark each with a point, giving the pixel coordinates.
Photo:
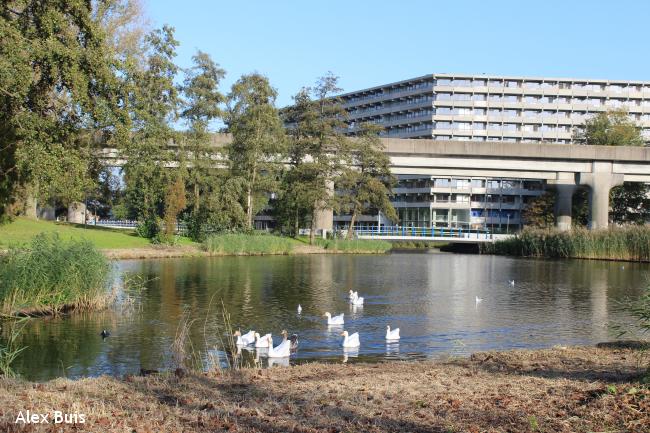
(431, 297)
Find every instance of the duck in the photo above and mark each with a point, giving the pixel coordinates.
(357, 300)
(299, 309)
(477, 299)
(336, 320)
(293, 339)
(264, 341)
(512, 282)
(283, 350)
(350, 340)
(392, 334)
(105, 333)
(246, 339)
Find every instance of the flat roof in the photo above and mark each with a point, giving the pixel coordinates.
(493, 77)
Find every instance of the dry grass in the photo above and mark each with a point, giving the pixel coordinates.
(557, 390)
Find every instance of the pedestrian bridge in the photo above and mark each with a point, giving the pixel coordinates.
(432, 234)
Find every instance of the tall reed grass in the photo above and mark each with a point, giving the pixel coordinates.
(244, 244)
(52, 275)
(630, 243)
(355, 245)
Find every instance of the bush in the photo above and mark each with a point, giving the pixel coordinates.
(235, 244)
(51, 275)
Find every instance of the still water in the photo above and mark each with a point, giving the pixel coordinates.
(429, 296)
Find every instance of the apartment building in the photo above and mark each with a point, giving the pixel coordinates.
(483, 108)
(479, 107)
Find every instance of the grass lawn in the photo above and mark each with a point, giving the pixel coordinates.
(22, 230)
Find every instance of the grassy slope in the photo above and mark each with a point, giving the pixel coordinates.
(22, 230)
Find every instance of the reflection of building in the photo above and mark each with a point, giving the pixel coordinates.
(430, 201)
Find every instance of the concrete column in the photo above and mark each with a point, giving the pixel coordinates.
(565, 186)
(600, 181)
(325, 215)
(76, 212)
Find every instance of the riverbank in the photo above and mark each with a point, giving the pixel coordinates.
(630, 243)
(124, 244)
(559, 390)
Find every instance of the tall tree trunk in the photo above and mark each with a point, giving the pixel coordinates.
(352, 221)
(31, 200)
(312, 229)
(296, 224)
(196, 197)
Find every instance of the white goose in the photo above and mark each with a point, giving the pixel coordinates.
(392, 334)
(353, 295)
(336, 320)
(246, 339)
(350, 340)
(262, 341)
(283, 349)
(299, 309)
(357, 300)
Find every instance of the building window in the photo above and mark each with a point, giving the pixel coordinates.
(478, 83)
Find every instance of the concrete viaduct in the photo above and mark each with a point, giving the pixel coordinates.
(565, 167)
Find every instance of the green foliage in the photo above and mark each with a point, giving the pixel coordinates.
(201, 106)
(609, 128)
(316, 124)
(539, 212)
(626, 243)
(154, 103)
(52, 275)
(366, 184)
(258, 144)
(630, 203)
(59, 92)
(174, 203)
(243, 244)
(9, 348)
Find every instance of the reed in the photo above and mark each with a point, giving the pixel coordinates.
(630, 243)
(248, 244)
(355, 245)
(50, 276)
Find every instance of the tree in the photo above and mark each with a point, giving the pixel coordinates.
(539, 212)
(175, 202)
(318, 150)
(59, 96)
(615, 128)
(366, 184)
(153, 103)
(258, 139)
(201, 106)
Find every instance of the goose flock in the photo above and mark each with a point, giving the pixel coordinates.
(290, 344)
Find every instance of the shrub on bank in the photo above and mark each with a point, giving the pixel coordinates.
(355, 245)
(51, 275)
(617, 243)
(244, 244)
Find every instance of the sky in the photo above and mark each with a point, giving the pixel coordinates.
(368, 43)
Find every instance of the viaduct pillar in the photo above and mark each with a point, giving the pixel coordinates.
(600, 181)
(565, 185)
(325, 214)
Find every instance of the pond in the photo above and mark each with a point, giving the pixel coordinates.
(430, 296)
